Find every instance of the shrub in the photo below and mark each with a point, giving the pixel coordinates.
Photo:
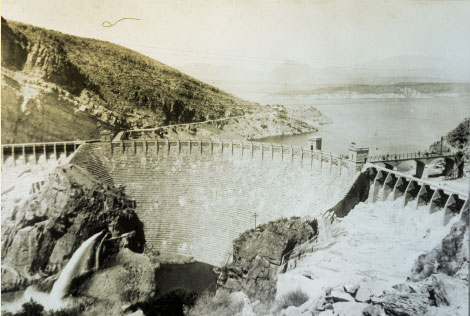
(314, 225)
(171, 303)
(294, 298)
(214, 305)
(33, 308)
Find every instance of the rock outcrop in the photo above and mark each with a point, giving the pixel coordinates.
(450, 257)
(42, 231)
(126, 279)
(14, 52)
(434, 275)
(257, 255)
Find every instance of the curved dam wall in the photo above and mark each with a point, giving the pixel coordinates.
(195, 197)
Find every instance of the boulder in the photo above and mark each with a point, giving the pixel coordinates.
(340, 296)
(373, 310)
(415, 299)
(363, 294)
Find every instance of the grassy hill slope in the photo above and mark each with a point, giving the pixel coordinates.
(59, 87)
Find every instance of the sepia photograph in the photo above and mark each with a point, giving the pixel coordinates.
(235, 157)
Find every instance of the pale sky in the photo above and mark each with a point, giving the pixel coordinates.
(260, 34)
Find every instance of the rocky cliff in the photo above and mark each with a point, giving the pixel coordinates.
(47, 75)
(257, 255)
(41, 231)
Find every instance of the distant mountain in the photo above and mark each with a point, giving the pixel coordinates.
(292, 72)
(263, 82)
(398, 90)
(61, 87)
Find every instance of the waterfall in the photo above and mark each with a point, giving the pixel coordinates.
(77, 265)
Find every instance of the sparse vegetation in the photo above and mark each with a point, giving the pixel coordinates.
(214, 305)
(33, 308)
(172, 303)
(136, 89)
(457, 139)
(294, 298)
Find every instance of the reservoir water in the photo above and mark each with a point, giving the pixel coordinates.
(384, 125)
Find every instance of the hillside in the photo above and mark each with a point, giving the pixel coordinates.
(61, 87)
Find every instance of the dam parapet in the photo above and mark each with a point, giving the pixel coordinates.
(32, 154)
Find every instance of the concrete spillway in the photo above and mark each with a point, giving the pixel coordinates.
(195, 198)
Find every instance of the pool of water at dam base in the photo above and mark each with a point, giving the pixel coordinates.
(384, 125)
(195, 276)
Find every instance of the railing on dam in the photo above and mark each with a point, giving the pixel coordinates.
(409, 156)
(33, 152)
(241, 149)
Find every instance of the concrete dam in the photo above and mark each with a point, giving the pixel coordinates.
(195, 197)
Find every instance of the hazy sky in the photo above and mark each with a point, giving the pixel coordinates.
(261, 34)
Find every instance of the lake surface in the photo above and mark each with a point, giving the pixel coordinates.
(384, 125)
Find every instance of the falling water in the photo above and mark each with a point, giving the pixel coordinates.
(77, 265)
